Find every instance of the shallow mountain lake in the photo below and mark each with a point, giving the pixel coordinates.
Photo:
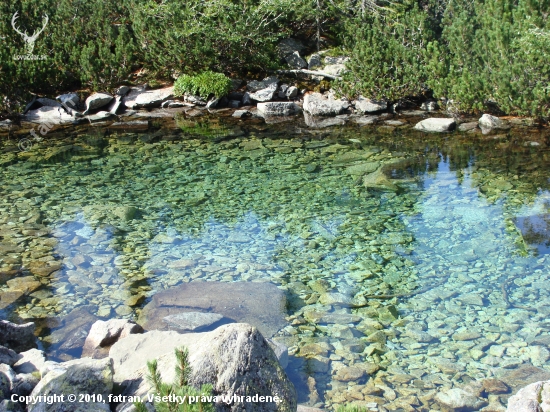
(408, 264)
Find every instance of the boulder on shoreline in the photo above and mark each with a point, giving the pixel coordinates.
(364, 105)
(235, 359)
(318, 105)
(79, 376)
(436, 125)
(532, 398)
(97, 101)
(278, 108)
(103, 334)
(139, 98)
(487, 123)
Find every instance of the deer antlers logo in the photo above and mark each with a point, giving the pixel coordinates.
(29, 47)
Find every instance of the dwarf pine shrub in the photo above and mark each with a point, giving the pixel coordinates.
(180, 388)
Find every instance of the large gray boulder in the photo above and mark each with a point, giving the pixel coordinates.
(436, 125)
(235, 359)
(533, 398)
(79, 376)
(318, 105)
(364, 105)
(103, 334)
(17, 337)
(97, 101)
(278, 108)
(255, 85)
(264, 95)
(50, 115)
(139, 98)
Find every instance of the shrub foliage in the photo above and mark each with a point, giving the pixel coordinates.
(474, 52)
(204, 84)
(180, 388)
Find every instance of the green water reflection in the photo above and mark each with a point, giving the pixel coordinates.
(410, 265)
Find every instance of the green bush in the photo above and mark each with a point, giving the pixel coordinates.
(494, 52)
(350, 408)
(179, 388)
(387, 53)
(204, 85)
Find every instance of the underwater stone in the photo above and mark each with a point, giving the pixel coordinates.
(192, 321)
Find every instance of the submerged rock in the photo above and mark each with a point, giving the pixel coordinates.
(459, 400)
(258, 303)
(192, 321)
(378, 180)
(319, 122)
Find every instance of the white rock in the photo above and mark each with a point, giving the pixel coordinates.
(433, 124)
(114, 105)
(139, 98)
(532, 398)
(32, 360)
(97, 100)
(122, 91)
(488, 123)
(318, 105)
(105, 333)
(100, 116)
(264, 95)
(277, 108)
(49, 115)
(255, 85)
(364, 105)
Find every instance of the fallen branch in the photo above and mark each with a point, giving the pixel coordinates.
(310, 72)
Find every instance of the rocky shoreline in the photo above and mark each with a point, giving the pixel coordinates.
(272, 99)
(235, 358)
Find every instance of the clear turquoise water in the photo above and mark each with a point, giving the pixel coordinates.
(417, 289)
